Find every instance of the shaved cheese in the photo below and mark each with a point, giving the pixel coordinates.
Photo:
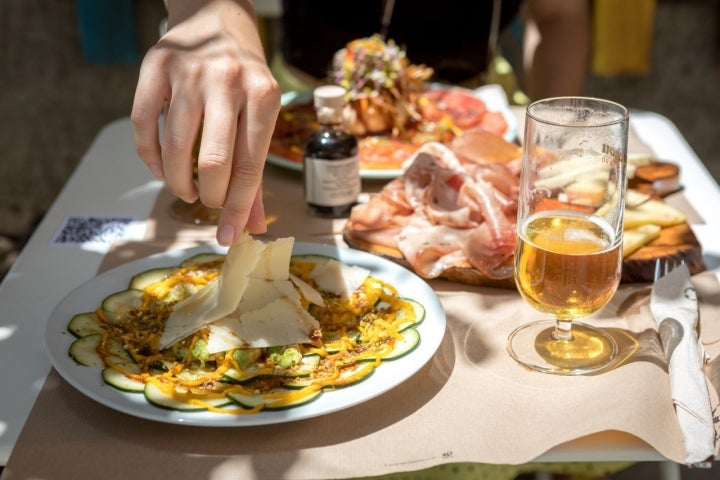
(280, 322)
(307, 291)
(234, 331)
(222, 336)
(219, 298)
(261, 292)
(275, 260)
(339, 278)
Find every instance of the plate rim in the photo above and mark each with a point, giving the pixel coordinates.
(390, 375)
(387, 174)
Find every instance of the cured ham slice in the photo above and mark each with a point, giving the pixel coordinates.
(431, 249)
(447, 211)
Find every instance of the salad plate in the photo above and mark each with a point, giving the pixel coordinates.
(388, 375)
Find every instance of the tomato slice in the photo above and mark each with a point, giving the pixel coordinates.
(465, 110)
(494, 122)
(383, 153)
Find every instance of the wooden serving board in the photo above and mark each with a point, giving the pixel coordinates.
(676, 243)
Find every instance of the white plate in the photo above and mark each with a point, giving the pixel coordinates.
(493, 96)
(390, 374)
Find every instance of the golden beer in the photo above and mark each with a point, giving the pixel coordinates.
(568, 264)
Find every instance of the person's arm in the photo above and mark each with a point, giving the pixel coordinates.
(210, 70)
(556, 47)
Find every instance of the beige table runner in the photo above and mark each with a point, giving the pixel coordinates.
(471, 402)
(471, 399)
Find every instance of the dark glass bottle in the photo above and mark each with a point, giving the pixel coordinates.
(330, 170)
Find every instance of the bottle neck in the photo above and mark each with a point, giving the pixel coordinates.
(329, 116)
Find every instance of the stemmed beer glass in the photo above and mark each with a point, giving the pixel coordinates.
(568, 254)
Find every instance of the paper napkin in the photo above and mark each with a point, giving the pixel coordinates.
(674, 307)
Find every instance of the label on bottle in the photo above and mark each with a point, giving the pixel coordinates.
(332, 183)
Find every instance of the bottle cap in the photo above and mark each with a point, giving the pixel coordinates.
(330, 96)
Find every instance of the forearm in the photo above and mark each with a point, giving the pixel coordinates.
(556, 53)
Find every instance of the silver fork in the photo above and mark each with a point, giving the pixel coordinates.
(669, 329)
(665, 265)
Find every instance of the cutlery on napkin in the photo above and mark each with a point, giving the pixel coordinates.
(673, 304)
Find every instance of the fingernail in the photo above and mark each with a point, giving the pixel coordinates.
(257, 227)
(157, 171)
(226, 235)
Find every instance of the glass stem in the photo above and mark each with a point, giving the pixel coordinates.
(562, 330)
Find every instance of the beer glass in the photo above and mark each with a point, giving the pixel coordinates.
(568, 253)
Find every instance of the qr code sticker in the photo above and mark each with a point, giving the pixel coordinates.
(98, 232)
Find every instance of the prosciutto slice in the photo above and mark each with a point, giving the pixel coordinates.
(446, 212)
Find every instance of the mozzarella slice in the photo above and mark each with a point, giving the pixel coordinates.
(338, 278)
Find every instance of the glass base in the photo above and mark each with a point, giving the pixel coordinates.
(534, 346)
(195, 213)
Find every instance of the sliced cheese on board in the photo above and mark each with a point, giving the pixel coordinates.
(655, 212)
(636, 238)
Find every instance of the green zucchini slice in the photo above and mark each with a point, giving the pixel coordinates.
(122, 382)
(84, 351)
(159, 398)
(277, 399)
(143, 279)
(118, 304)
(84, 324)
(312, 258)
(410, 341)
(413, 318)
(202, 258)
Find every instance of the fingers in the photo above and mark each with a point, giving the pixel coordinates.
(168, 156)
(243, 205)
(150, 95)
(256, 223)
(219, 134)
(182, 125)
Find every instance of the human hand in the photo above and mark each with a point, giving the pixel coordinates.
(209, 70)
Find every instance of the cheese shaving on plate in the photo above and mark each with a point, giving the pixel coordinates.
(219, 298)
(252, 303)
